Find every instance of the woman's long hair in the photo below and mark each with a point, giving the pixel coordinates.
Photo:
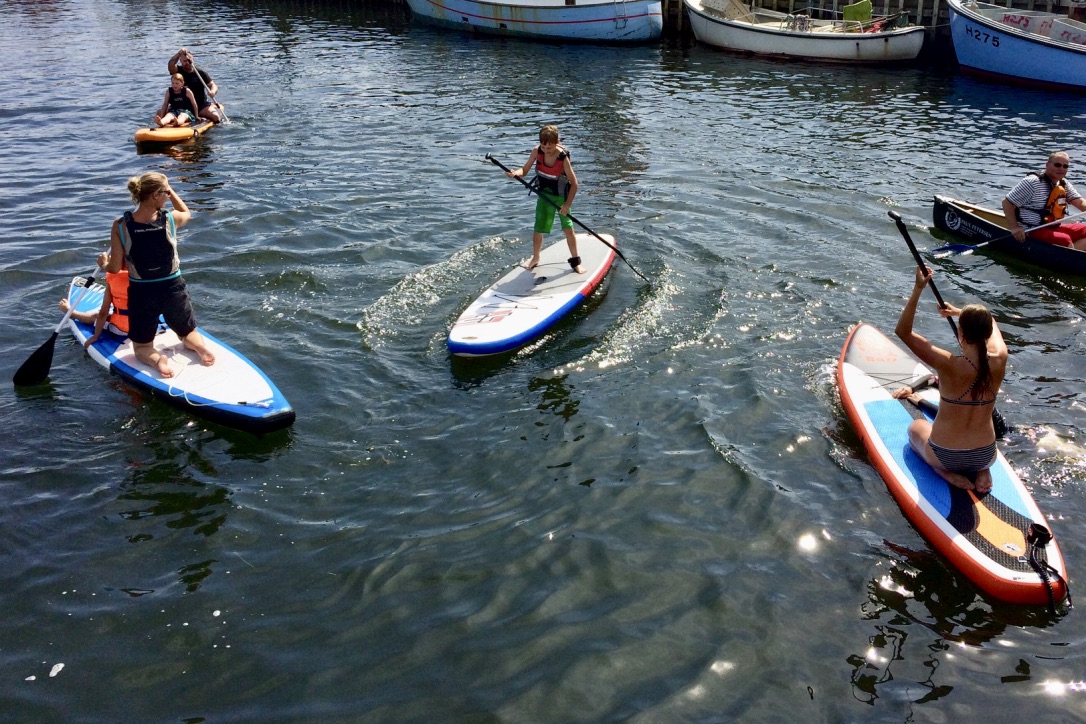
(976, 323)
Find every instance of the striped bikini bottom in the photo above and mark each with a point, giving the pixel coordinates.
(965, 461)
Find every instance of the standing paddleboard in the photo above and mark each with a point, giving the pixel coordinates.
(232, 392)
(524, 304)
(152, 136)
(986, 538)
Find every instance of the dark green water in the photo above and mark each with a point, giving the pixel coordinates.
(659, 514)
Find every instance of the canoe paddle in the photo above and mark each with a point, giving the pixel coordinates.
(954, 249)
(36, 368)
(998, 421)
(572, 218)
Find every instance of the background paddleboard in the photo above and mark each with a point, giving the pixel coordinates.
(232, 392)
(172, 134)
(524, 304)
(986, 537)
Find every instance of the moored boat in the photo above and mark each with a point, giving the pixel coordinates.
(999, 540)
(1024, 46)
(614, 21)
(857, 37)
(980, 225)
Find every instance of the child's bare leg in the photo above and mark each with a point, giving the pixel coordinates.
(571, 242)
(537, 248)
(84, 317)
(196, 342)
(146, 354)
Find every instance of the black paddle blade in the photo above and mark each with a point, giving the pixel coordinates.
(36, 368)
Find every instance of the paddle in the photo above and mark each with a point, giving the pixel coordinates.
(951, 249)
(572, 218)
(207, 91)
(36, 368)
(998, 420)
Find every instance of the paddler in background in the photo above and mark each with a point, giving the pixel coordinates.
(199, 81)
(1043, 197)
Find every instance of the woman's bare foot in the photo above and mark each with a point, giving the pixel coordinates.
(983, 483)
(163, 366)
(958, 480)
(195, 341)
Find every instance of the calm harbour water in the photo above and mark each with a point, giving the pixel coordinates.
(659, 514)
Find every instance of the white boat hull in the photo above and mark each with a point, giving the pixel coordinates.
(985, 44)
(762, 38)
(587, 20)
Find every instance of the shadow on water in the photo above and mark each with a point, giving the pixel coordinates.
(921, 590)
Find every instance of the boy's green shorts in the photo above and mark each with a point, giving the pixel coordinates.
(545, 211)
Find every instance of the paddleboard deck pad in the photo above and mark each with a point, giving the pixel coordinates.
(524, 304)
(232, 392)
(987, 538)
(172, 134)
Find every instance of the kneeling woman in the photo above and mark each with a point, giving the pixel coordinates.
(960, 444)
(145, 240)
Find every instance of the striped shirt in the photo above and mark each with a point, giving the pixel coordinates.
(1030, 196)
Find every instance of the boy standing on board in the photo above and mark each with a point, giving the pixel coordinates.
(555, 185)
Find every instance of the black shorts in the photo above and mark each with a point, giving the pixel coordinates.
(147, 300)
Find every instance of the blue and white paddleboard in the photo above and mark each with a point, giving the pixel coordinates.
(524, 304)
(986, 536)
(232, 392)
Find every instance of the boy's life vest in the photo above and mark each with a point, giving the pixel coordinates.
(150, 250)
(551, 178)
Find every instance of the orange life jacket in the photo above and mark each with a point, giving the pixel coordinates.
(118, 290)
(1056, 206)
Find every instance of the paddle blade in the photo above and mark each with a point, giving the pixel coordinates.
(944, 251)
(36, 368)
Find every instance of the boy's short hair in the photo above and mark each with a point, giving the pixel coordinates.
(548, 134)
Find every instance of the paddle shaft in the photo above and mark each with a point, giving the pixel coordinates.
(962, 248)
(572, 218)
(210, 95)
(923, 267)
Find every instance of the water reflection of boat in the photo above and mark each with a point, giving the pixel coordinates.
(979, 225)
(857, 37)
(585, 20)
(1019, 45)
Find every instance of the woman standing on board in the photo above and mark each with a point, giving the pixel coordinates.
(960, 444)
(145, 240)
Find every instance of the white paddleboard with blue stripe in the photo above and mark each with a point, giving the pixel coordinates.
(232, 392)
(523, 304)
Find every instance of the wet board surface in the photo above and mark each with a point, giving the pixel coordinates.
(523, 304)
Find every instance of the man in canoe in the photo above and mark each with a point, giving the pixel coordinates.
(199, 81)
(1041, 198)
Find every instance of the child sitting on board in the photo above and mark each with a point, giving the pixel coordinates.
(178, 106)
(113, 314)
